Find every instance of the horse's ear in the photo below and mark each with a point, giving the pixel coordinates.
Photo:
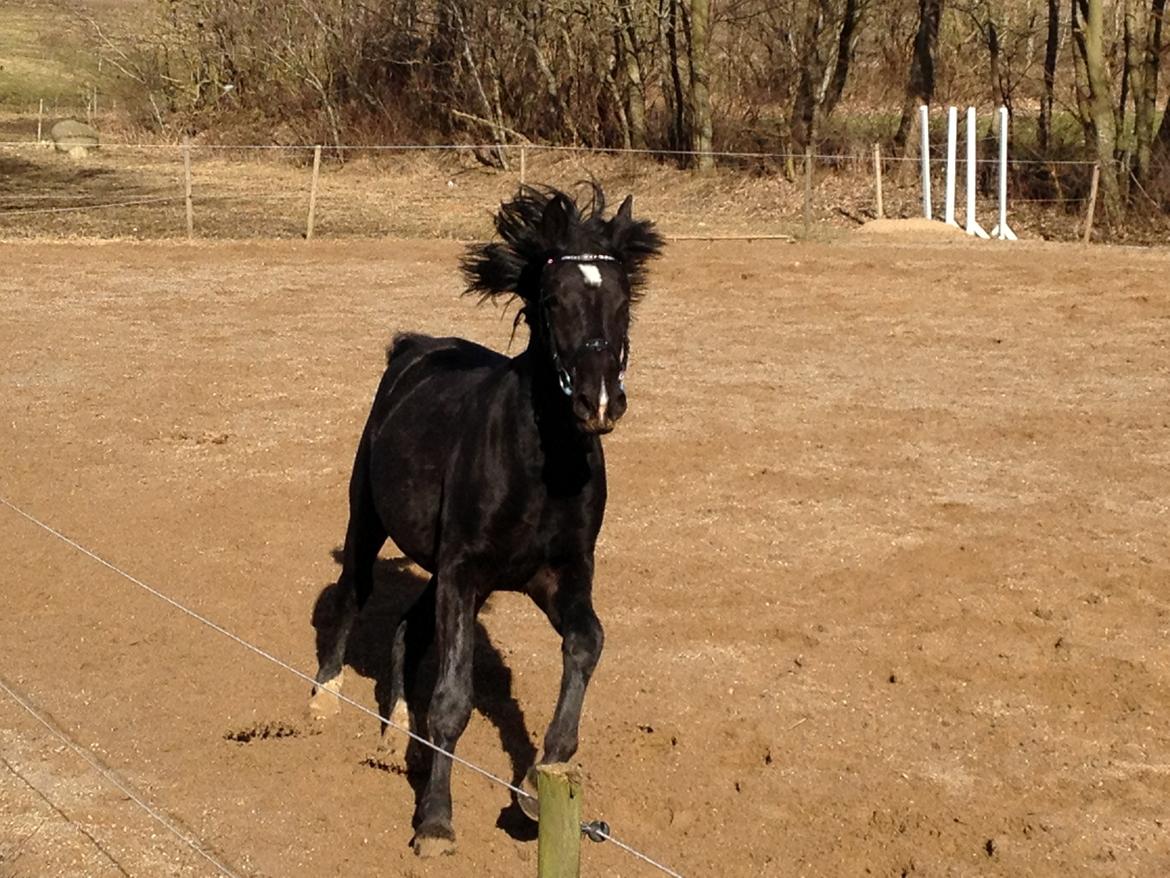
(626, 211)
(633, 242)
(554, 223)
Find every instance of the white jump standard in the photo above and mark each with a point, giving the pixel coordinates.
(973, 227)
(1002, 231)
(924, 119)
(952, 134)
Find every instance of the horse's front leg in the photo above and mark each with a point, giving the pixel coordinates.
(571, 612)
(450, 707)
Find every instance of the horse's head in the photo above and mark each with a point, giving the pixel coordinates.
(578, 274)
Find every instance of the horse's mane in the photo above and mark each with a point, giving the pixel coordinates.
(541, 223)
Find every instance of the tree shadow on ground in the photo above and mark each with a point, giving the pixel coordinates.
(54, 173)
(398, 584)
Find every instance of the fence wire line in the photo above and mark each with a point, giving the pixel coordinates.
(168, 199)
(60, 813)
(305, 677)
(540, 147)
(112, 778)
(139, 201)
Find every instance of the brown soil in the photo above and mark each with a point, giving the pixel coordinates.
(912, 229)
(883, 574)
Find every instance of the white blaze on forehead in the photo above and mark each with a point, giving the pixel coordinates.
(592, 274)
(602, 403)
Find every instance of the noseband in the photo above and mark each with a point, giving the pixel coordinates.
(564, 376)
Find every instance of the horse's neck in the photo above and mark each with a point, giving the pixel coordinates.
(568, 455)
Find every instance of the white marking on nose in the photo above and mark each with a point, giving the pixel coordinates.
(602, 404)
(592, 275)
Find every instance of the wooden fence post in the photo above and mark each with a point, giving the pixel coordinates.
(877, 178)
(40, 120)
(1092, 203)
(313, 193)
(187, 187)
(558, 852)
(807, 190)
(523, 163)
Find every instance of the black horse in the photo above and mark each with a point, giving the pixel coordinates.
(488, 471)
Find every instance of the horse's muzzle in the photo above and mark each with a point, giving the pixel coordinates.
(598, 412)
(597, 427)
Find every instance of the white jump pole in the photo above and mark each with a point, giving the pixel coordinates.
(1001, 230)
(924, 119)
(952, 135)
(973, 227)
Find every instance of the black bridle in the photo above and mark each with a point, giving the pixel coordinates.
(564, 376)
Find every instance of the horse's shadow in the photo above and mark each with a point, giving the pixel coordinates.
(397, 585)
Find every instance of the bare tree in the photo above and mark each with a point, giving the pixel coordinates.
(1093, 98)
(921, 80)
(699, 52)
(1146, 89)
(1051, 53)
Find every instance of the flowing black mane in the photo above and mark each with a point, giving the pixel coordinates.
(542, 223)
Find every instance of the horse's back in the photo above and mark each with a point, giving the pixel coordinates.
(414, 425)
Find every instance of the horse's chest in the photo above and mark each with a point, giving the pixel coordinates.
(523, 531)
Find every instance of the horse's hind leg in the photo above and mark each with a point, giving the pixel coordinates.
(412, 638)
(450, 708)
(363, 538)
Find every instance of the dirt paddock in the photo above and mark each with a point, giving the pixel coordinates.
(884, 573)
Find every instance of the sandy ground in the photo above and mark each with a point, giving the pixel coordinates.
(883, 574)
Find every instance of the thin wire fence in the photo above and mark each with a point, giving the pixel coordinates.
(937, 153)
(139, 190)
(187, 838)
(596, 829)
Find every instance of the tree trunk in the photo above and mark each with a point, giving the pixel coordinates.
(920, 84)
(492, 114)
(699, 45)
(1146, 96)
(1161, 147)
(565, 123)
(846, 45)
(812, 72)
(632, 67)
(997, 89)
(1128, 64)
(1094, 100)
(679, 137)
(1051, 50)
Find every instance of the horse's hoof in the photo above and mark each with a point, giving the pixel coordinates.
(395, 740)
(392, 747)
(325, 703)
(433, 843)
(530, 806)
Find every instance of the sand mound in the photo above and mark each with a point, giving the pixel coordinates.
(917, 227)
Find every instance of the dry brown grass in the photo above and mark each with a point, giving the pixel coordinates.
(240, 193)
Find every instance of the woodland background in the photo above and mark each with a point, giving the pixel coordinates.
(1082, 79)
